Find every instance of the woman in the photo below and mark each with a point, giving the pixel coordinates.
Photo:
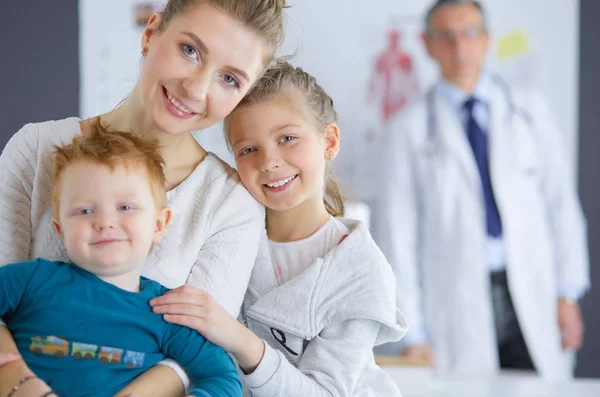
(201, 57)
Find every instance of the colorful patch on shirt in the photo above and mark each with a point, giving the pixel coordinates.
(134, 359)
(110, 355)
(52, 345)
(83, 350)
(59, 347)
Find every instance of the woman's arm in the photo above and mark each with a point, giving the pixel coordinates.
(17, 172)
(226, 260)
(16, 370)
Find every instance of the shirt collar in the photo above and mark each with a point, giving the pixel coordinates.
(456, 96)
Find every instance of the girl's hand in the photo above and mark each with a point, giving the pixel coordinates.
(196, 309)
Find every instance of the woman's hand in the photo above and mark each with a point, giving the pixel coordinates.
(196, 309)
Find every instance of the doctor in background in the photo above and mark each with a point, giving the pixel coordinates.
(483, 223)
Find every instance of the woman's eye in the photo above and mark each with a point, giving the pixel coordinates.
(189, 50)
(231, 80)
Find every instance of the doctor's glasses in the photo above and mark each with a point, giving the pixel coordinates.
(447, 36)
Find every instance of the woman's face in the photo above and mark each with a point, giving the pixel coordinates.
(197, 68)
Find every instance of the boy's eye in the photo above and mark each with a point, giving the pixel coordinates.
(85, 211)
(287, 138)
(124, 208)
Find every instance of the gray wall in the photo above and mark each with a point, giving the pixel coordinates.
(39, 66)
(589, 172)
(40, 81)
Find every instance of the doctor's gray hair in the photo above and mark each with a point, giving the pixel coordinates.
(282, 79)
(449, 3)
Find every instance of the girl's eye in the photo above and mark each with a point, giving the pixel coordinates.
(85, 211)
(125, 208)
(189, 50)
(287, 138)
(247, 150)
(231, 81)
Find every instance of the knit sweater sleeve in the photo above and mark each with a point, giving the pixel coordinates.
(26, 167)
(227, 257)
(17, 173)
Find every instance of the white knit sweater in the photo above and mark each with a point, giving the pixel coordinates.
(211, 242)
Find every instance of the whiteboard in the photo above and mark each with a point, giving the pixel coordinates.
(535, 42)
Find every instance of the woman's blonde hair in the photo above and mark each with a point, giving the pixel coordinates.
(283, 78)
(263, 17)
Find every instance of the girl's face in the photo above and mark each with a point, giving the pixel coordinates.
(280, 154)
(198, 68)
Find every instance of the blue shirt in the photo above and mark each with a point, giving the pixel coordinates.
(85, 336)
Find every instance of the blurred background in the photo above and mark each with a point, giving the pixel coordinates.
(81, 58)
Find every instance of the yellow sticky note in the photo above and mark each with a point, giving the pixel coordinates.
(512, 45)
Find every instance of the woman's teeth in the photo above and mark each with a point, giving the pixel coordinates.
(281, 182)
(177, 104)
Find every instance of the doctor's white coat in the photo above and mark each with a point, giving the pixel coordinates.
(435, 230)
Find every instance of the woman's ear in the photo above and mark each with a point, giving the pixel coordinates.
(150, 30)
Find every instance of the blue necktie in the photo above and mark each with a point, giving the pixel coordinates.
(478, 140)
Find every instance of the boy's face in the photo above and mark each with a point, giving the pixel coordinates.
(108, 220)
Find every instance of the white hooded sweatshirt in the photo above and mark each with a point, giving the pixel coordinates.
(320, 327)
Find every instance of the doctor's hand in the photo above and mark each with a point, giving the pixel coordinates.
(418, 354)
(196, 309)
(571, 324)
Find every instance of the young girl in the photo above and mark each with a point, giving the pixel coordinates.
(200, 58)
(321, 295)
